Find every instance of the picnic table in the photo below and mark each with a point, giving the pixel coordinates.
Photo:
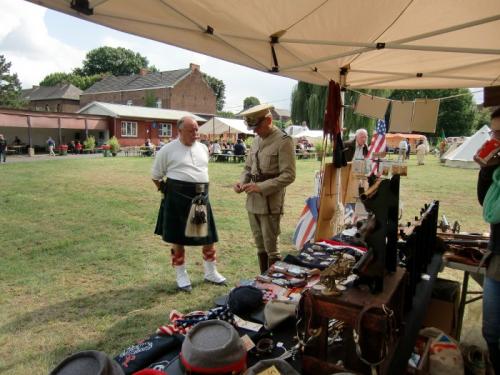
(231, 158)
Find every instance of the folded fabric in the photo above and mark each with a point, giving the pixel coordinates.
(277, 311)
(145, 352)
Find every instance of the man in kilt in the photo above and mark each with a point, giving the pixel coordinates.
(180, 172)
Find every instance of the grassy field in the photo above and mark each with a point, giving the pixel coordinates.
(81, 268)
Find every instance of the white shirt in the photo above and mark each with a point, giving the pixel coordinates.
(216, 149)
(358, 153)
(180, 162)
(403, 145)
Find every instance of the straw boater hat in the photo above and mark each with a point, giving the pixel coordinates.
(89, 362)
(213, 347)
(253, 114)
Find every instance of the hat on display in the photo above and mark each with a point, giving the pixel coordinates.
(253, 115)
(244, 300)
(495, 123)
(213, 347)
(90, 362)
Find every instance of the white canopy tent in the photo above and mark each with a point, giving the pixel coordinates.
(315, 135)
(462, 157)
(220, 125)
(365, 44)
(295, 129)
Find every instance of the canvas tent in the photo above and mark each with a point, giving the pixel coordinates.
(220, 125)
(369, 44)
(292, 130)
(393, 139)
(311, 135)
(462, 157)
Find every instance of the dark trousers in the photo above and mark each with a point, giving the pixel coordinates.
(3, 155)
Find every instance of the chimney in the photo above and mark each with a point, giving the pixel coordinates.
(194, 67)
(143, 71)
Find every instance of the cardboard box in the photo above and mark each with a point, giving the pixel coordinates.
(442, 311)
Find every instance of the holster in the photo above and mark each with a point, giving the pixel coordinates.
(260, 177)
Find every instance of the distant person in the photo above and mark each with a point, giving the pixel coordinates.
(3, 149)
(488, 177)
(78, 147)
(408, 149)
(269, 169)
(421, 151)
(71, 147)
(442, 148)
(357, 148)
(51, 144)
(240, 148)
(403, 148)
(17, 141)
(184, 164)
(216, 149)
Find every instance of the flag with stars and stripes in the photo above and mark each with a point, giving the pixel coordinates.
(377, 144)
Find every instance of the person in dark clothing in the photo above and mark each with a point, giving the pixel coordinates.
(408, 149)
(491, 286)
(239, 148)
(3, 149)
(357, 148)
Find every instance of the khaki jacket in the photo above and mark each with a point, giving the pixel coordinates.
(276, 157)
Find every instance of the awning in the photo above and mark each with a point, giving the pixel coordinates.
(372, 44)
(220, 125)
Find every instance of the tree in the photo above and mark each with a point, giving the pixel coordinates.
(10, 86)
(117, 61)
(226, 114)
(457, 116)
(250, 102)
(309, 103)
(82, 82)
(150, 99)
(219, 89)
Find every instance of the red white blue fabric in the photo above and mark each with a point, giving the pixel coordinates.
(378, 144)
(304, 231)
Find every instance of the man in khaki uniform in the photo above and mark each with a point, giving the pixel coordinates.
(269, 169)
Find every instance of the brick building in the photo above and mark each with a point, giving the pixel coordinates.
(183, 89)
(60, 98)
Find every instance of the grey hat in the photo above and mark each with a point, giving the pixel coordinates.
(90, 362)
(282, 366)
(213, 347)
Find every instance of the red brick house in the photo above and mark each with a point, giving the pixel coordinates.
(183, 89)
(60, 98)
(132, 125)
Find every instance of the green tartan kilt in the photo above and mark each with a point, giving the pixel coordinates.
(173, 214)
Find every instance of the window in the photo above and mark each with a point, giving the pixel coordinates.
(158, 103)
(165, 130)
(129, 129)
(129, 102)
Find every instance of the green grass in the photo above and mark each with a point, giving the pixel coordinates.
(81, 269)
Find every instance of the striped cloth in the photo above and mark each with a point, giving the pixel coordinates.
(304, 231)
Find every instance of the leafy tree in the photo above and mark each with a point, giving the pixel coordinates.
(483, 117)
(117, 61)
(457, 116)
(250, 102)
(309, 103)
(82, 82)
(225, 114)
(219, 89)
(10, 86)
(150, 99)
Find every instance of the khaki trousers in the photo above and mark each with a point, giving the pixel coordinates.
(266, 231)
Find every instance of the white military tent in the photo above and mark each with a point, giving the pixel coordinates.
(358, 43)
(220, 125)
(462, 157)
(292, 130)
(311, 135)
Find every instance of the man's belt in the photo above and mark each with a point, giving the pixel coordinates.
(263, 177)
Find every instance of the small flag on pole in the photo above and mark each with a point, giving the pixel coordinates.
(306, 227)
(377, 144)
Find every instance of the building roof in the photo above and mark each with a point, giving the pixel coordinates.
(130, 111)
(138, 82)
(282, 112)
(62, 91)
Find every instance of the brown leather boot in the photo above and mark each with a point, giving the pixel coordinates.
(273, 260)
(263, 262)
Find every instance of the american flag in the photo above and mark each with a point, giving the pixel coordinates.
(378, 143)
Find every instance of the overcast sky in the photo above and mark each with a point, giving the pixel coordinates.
(38, 41)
